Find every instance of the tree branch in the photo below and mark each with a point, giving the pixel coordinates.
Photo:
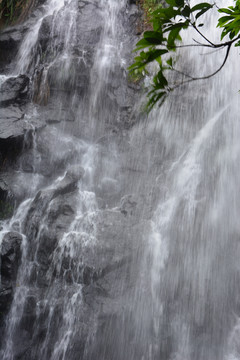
(201, 34)
(203, 77)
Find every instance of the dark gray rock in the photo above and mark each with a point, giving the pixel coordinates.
(17, 128)
(58, 217)
(128, 204)
(21, 185)
(91, 24)
(10, 121)
(134, 16)
(125, 97)
(61, 187)
(76, 77)
(27, 162)
(108, 187)
(65, 186)
(40, 204)
(44, 31)
(52, 115)
(4, 189)
(14, 91)
(76, 172)
(10, 260)
(10, 40)
(52, 154)
(10, 255)
(6, 297)
(6, 200)
(15, 122)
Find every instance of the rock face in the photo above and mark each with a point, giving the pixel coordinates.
(10, 261)
(6, 200)
(10, 40)
(14, 91)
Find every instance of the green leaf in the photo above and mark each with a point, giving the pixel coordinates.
(156, 98)
(171, 2)
(179, 2)
(159, 80)
(201, 6)
(226, 11)
(223, 20)
(143, 43)
(166, 14)
(186, 11)
(170, 62)
(153, 35)
(152, 38)
(172, 37)
(154, 54)
(179, 25)
(201, 12)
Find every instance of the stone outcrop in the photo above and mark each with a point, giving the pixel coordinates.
(45, 132)
(10, 258)
(14, 91)
(10, 40)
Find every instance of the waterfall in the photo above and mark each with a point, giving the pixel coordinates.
(193, 246)
(128, 224)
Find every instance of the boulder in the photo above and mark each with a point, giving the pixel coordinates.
(6, 200)
(14, 90)
(128, 204)
(74, 76)
(44, 31)
(4, 189)
(56, 210)
(40, 204)
(21, 185)
(51, 115)
(91, 24)
(17, 126)
(76, 172)
(10, 255)
(11, 124)
(10, 258)
(10, 39)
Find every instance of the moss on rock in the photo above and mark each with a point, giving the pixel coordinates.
(14, 11)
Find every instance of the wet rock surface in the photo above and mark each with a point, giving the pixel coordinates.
(17, 128)
(79, 223)
(14, 91)
(10, 40)
(10, 258)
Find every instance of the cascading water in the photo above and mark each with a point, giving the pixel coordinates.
(193, 248)
(129, 236)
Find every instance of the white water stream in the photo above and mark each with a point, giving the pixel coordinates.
(194, 245)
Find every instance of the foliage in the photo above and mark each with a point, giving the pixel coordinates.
(149, 6)
(11, 9)
(161, 42)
